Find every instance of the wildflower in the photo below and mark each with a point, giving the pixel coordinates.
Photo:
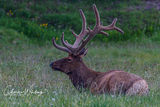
(53, 99)
(44, 25)
(56, 38)
(10, 13)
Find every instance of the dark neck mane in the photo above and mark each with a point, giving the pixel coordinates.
(82, 76)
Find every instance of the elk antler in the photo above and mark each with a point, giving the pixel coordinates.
(99, 28)
(79, 43)
(79, 37)
(60, 47)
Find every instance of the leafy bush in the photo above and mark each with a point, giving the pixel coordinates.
(42, 20)
(2, 12)
(23, 13)
(61, 21)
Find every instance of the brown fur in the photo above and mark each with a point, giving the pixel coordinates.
(111, 82)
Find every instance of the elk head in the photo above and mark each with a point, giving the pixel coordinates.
(78, 50)
(67, 64)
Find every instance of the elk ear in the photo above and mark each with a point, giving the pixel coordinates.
(83, 52)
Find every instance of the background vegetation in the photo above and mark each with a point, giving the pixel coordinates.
(41, 20)
(26, 30)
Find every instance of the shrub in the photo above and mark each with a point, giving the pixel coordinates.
(29, 18)
(62, 21)
(2, 12)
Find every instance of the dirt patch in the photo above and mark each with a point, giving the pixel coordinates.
(146, 5)
(152, 4)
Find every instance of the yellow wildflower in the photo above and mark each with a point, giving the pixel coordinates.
(44, 24)
(10, 13)
(56, 38)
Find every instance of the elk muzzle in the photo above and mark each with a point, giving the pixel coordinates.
(55, 66)
(51, 64)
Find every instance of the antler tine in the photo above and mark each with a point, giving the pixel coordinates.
(97, 15)
(112, 26)
(83, 32)
(84, 24)
(60, 47)
(66, 44)
(104, 33)
(74, 34)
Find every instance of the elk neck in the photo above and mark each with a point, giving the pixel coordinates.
(82, 76)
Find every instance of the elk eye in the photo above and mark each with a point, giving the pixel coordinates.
(69, 60)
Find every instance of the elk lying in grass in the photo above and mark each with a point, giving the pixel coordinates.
(81, 76)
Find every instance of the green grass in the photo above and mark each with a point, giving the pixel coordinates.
(24, 65)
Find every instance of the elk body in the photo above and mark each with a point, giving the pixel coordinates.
(111, 82)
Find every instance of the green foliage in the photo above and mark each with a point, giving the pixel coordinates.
(62, 21)
(31, 29)
(62, 15)
(2, 12)
(22, 13)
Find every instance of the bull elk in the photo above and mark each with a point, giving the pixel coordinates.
(111, 82)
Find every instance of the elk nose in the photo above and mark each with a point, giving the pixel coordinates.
(51, 65)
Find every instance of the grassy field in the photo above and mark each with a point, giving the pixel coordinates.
(26, 29)
(27, 80)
